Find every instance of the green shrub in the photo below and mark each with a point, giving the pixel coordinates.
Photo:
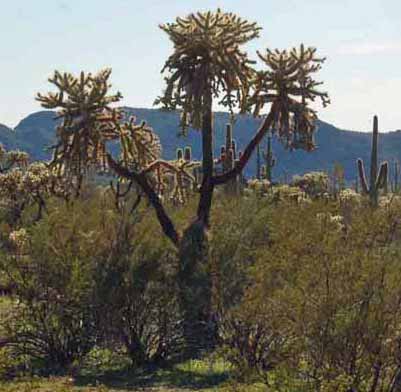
(327, 291)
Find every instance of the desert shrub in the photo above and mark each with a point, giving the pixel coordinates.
(325, 290)
(240, 227)
(139, 294)
(55, 321)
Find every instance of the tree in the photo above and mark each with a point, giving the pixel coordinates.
(207, 63)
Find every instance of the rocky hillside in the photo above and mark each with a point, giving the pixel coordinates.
(36, 132)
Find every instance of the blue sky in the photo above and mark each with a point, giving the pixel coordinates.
(360, 38)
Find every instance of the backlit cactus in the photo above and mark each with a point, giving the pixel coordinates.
(140, 146)
(207, 59)
(31, 185)
(288, 83)
(378, 177)
(88, 120)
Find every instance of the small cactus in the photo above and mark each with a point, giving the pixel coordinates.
(378, 178)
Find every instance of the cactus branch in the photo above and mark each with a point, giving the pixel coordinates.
(141, 179)
(362, 177)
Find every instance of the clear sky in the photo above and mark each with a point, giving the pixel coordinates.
(360, 38)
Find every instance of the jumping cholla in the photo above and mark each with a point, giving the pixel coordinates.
(288, 83)
(23, 184)
(89, 123)
(207, 60)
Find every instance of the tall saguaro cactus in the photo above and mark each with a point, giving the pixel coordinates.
(270, 160)
(378, 177)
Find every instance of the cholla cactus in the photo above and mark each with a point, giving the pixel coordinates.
(89, 123)
(207, 60)
(10, 183)
(11, 159)
(288, 83)
(88, 120)
(314, 184)
(19, 240)
(259, 186)
(378, 178)
(140, 146)
(32, 185)
(173, 178)
(349, 195)
(288, 193)
(17, 158)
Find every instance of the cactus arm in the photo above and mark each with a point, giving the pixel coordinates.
(381, 181)
(362, 177)
(141, 179)
(229, 136)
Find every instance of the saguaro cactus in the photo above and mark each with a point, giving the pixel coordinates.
(270, 160)
(378, 178)
(229, 156)
(258, 165)
(396, 176)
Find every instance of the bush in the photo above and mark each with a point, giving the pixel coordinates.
(139, 294)
(54, 281)
(327, 291)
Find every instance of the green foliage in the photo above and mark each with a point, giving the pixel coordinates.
(138, 292)
(328, 290)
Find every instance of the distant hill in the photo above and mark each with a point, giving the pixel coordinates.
(36, 132)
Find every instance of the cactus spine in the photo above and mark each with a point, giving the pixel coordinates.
(378, 178)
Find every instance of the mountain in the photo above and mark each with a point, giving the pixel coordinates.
(37, 131)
